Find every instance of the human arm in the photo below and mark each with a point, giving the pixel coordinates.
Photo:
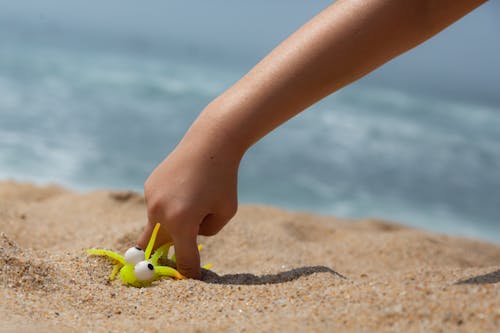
(193, 191)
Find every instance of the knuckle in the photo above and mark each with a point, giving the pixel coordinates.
(230, 210)
(178, 220)
(154, 207)
(147, 188)
(175, 217)
(177, 212)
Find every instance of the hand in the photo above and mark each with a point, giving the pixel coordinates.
(192, 192)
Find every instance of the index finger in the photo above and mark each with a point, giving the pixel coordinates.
(187, 255)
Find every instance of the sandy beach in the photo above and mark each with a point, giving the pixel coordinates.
(273, 270)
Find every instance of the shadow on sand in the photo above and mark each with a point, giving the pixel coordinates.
(493, 277)
(251, 279)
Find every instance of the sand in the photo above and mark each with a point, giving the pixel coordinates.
(273, 270)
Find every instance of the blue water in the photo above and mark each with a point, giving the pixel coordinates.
(103, 117)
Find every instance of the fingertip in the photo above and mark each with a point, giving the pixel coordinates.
(190, 273)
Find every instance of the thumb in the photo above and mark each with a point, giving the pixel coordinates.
(187, 255)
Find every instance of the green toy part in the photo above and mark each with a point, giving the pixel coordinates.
(142, 273)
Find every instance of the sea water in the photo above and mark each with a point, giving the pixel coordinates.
(99, 117)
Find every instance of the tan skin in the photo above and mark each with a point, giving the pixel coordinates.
(194, 190)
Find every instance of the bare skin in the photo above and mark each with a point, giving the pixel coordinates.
(194, 190)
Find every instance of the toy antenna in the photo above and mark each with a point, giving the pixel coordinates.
(151, 243)
(108, 253)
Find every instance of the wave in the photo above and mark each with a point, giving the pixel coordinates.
(102, 119)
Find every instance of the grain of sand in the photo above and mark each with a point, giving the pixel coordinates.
(273, 270)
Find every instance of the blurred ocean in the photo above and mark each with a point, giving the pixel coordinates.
(104, 116)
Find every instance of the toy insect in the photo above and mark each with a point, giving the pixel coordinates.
(136, 268)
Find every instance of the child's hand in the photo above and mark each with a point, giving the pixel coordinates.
(193, 191)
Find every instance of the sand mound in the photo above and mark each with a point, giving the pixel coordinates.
(19, 269)
(273, 270)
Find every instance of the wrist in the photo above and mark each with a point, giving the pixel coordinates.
(214, 134)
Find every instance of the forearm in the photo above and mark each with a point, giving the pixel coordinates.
(341, 44)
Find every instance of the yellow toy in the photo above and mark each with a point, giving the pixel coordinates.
(137, 268)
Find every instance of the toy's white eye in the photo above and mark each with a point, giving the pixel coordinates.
(134, 255)
(144, 271)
